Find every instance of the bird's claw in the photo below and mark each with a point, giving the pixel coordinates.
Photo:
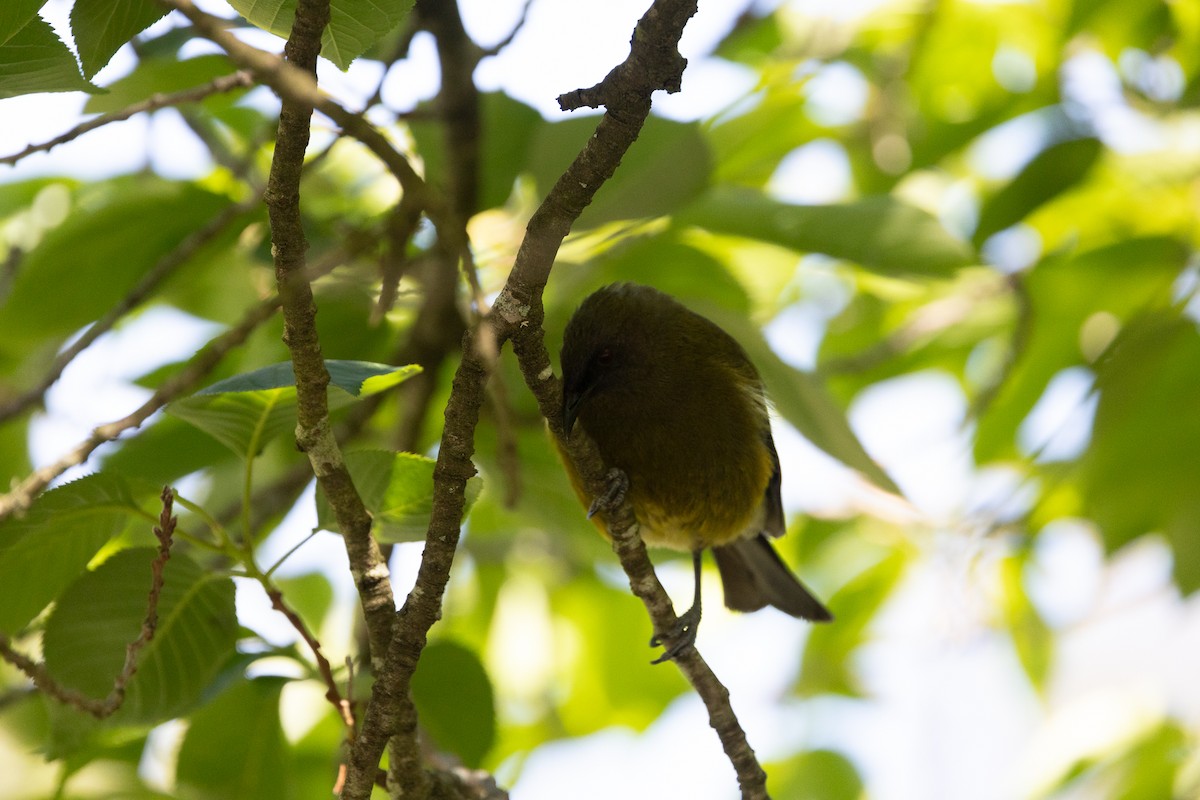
(616, 484)
(680, 638)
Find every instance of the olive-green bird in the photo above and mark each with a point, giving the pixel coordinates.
(673, 402)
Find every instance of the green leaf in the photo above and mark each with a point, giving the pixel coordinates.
(310, 595)
(878, 232)
(102, 27)
(1143, 466)
(354, 25)
(397, 488)
(16, 14)
(668, 165)
(455, 701)
(159, 76)
(34, 60)
(803, 400)
(826, 665)
(1063, 293)
(815, 775)
(508, 129)
(102, 612)
(1032, 638)
(248, 410)
(246, 759)
(1050, 173)
(42, 552)
(90, 261)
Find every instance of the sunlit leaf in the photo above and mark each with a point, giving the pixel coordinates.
(102, 612)
(42, 552)
(877, 232)
(248, 410)
(454, 699)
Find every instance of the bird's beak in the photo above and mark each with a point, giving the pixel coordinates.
(570, 411)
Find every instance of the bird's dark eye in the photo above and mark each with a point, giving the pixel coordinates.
(605, 356)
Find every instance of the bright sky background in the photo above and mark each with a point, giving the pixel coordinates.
(950, 714)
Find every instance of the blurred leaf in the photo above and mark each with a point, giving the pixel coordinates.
(803, 400)
(508, 128)
(1142, 469)
(667, 166)
(1032, 638)
(877, 232)
(1050, 173)
(354, 25)
(605, 629)
(397, 488)
(454, 700)
(815, 775)
(42, 552)
(826, 668)
(159, 76)
(248, 410)
(102, 27)
(34, 60)
(102, 612)
(85, 265)
(1144, 769)
(235, 746)
(1063, 293)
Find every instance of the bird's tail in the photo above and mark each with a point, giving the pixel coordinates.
(754, 576)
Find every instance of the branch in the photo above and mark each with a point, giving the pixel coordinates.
(166, 265)
(226, 83)
(299, 87)
(332, 693)
(314, 434)
(517, 316)
(76, 699)
(23, 494)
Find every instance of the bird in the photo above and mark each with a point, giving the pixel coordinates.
(678, 412)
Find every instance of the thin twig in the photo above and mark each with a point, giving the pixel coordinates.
(332, 693)
(100, 709)
(163, 269)
(241, 79)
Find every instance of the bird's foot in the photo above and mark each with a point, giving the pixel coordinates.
(616, 484)
(680, 638)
